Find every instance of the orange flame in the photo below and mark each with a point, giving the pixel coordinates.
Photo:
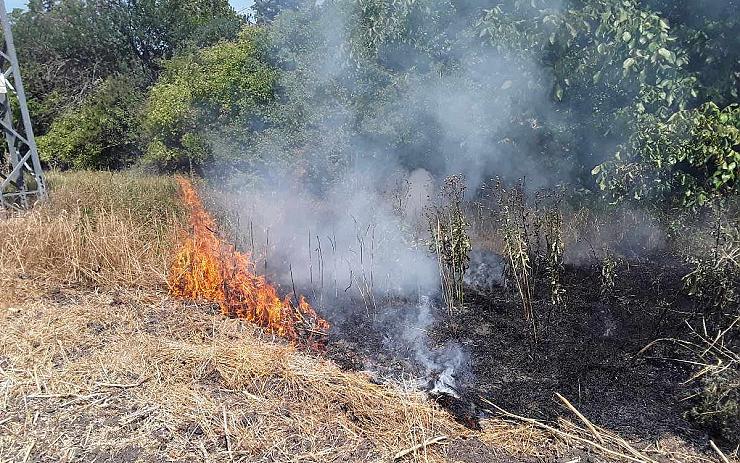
(207, 268)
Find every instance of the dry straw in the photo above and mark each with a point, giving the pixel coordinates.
(98, 229)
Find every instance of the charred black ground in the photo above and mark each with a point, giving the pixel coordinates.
(586, 350)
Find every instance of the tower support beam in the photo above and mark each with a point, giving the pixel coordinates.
(21, 176)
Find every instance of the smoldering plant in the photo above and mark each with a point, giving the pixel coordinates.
(549, 218)
(449, 239)
(608, 274)
(714, 280)
(532, 242)
(514, 223)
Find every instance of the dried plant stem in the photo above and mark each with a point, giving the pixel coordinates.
(638, 458)
(421, 445)
(721, 455)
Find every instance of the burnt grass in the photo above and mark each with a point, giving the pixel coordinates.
(586, 349)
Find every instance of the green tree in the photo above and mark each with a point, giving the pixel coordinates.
(266, 10)
(68, 47)
(101, 133)
(205, 97)
(687, 159)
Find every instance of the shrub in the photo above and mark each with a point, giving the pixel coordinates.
(714, 255)
(101, 133)
(717, 398)
(202, 95)
(691, 157)
(718, 404)
(450, 240)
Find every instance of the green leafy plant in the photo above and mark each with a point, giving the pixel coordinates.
(686, 159)
(608, 274)
(531, 240)
(207, 100)
(515, 224)
(101, 133)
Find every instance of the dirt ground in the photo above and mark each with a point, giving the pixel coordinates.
(586, 352)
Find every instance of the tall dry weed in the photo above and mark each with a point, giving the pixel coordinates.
(97, 229)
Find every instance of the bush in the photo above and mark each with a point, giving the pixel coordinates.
(717, 402)
(718, 405)
(102, 133)
(200, 95)
(691, 157)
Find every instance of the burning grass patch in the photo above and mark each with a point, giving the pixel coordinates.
(209, 268)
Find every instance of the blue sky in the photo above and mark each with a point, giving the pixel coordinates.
(239, 5)
(12, 4)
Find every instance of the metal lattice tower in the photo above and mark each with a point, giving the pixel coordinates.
(21, 177)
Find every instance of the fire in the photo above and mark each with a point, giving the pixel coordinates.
(207, 268)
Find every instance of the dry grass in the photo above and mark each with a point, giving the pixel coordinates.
(98, 229)
(133, 375)
(86, 375)
(97, 363)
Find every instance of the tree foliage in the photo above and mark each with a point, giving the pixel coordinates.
(204, 95)
(67, 48)
(266, 10)
(550, 86)
(689, 158)
(626, 68)
(100, 133)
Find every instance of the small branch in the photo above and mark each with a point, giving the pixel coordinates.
(137, 415)
(425, 444)
(719, 452)
(581, 417)
(123, 386)
(226, 434)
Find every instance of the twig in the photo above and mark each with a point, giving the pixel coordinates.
(581, 417)
(425, 444)
(267, 247)
(295, 294)
(203, 449)
(719, 452)
(28, 451)
(82, 398)
(137, 415)
(226, 434)
(123, 386)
